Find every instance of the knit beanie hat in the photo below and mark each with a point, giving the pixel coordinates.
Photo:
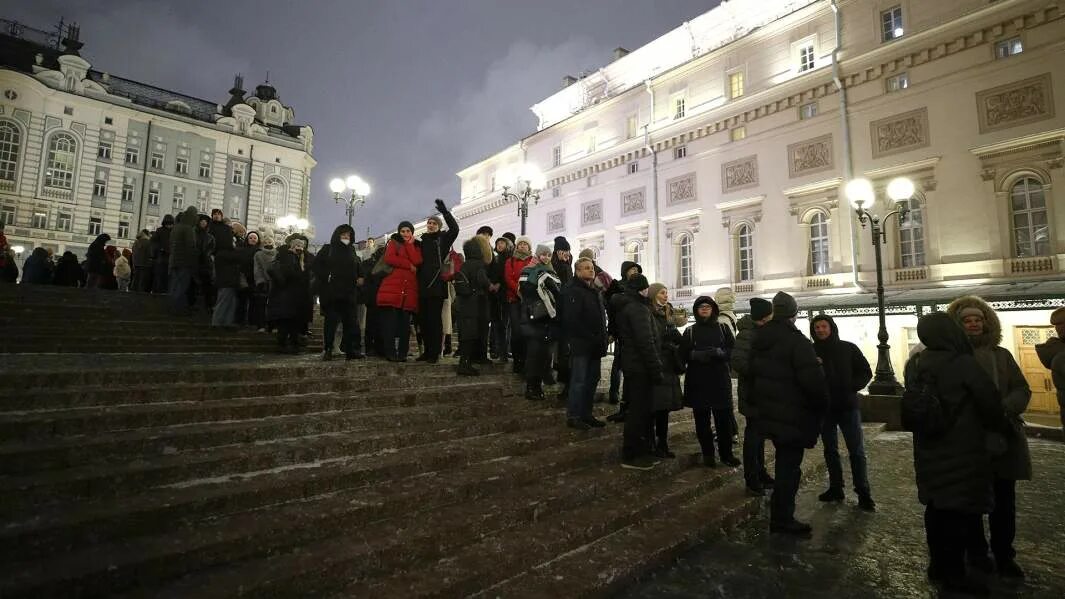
(435, 219)
(542, 248)
(561, 245)
(525, 240)
(405, 224)
(1057, 316)
(637, 283)
(588, 253)
(510, 236)
(485, 230)
(760, 308)
(784, 306)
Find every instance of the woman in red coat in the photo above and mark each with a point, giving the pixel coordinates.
(397, 298)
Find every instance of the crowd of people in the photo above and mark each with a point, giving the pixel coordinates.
(554, 319)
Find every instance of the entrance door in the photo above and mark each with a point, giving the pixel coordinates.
(1044, 397)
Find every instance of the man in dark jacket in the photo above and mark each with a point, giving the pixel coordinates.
(203, 281)
(641, 365)
(98, 267)
(628, 271)
(184, 259)
(339, 275)
(68, 272)
(160, 249)
(790, 395)
(846, 372)
(584, 319)
(754, 472)
(562, 263)
(142, 262)
(432, 290)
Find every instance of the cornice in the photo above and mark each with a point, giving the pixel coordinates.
(740, 203)
(1019, 144)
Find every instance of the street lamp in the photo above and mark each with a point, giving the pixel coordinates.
(528, 183)
(292, 223)
(861, 195)
(359, 190)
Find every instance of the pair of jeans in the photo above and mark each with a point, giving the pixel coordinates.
(538, 360)
(615, 374)
(123, 283)
(722, 421)
(788, 475)
(946, 532)
(850, 423)
(635, 441)
(1002, 522)
(179, 280)
(395, 332)
(582, 386)
(341, 314)
(431, 326)
(753, 455)
(225, 307)
(517, 340)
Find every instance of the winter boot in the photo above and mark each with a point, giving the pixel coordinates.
(619, 416)
(832, 495)
(465, 368)
(447, 345)
(327, 355)
(534, 392)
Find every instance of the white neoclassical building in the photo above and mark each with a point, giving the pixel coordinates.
(84, 152)
(716, 156)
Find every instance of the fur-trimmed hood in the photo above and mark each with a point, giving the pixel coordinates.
(992, 335)
(477, 248)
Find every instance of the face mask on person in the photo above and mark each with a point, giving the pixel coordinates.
(345, 240)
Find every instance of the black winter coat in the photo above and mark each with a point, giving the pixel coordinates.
(435, 248)
(96, 257)
(640, 346)
(337, 270)
(846, 370)
(706, 346)
(471, 289)
(228, 261)
(372, 282)
(290, 297)
(740, 362)
(789, 388)
(584, 319)
(37, 270)
(68, 272)
(667, 393)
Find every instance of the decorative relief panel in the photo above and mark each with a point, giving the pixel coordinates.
(556, 221)
(811, 156)
(633, 202)
(1017, 103)
(900, 133)
(591, 213)
(739, 174)
(681, 189)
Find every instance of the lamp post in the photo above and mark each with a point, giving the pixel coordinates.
(528, 183)
(359, 190)
(862, 197)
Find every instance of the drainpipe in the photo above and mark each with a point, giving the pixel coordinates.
(247, 187)
(144, 177)
(844, 121)
(652, 227)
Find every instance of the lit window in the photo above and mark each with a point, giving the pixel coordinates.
(745, 253)
(103, 151)
(63, 221)
(808, 111)
(819, 244)
(737, 133)
(684, 261)
(157, 160)
(205, 170)
(238, 174)
(95, 225)
(678, 108)
(911, 236)
(181, 166)
(1028, 208)
(632, 127)
(897, 83)
(10, 145)
(274, 196)
(735, 84)
(123, 229)
(891, 24)
(99, 188)
(556, 155)
(1007, 48)
(127, 192)
(680, 152)
(153, 197)
(633, 253)
(806, 58)
(132, 155)
(40, 220)
(61, 152)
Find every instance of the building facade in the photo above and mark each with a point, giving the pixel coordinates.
(83, 152)
(717, 154)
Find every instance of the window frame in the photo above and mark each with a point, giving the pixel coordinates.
(1029, 212)
(10, 150)
(556, 155)
(99, 188)
(123, 224)
(39, 220)
(135, 154)
(128, 187)
(897, 83)
(64, 221)
(680, 107)
(181, 166)
(633, 252)
(888, 25)
(914, 222)
(157, 161)
(1007, 44)
(153, 196)
(8, 213)
(732, 90)
(745, 253)
(823, 237)
(178, 199)
(96, 225)
(803, 116)
(737, 133)
(50, 178)
(277, 204)
(205, 170)
(103, 151)
(685, 260)
(237, 178)
(680, 152)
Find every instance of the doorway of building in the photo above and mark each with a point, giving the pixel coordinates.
(1044, 397)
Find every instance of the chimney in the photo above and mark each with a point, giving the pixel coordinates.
(568, 80)
(620, 52)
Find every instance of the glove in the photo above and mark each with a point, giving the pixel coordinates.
(440, 206)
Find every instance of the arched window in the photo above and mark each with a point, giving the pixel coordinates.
(634, 253)
(274, 202)
(62, 150)
(1031, 232)
(911, 236)
(684, 261)
(10, 144)
(818, 244)
(745, 253)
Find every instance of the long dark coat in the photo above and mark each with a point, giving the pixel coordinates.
(667, 394)
(471, 288)
(337, 270)
(707, 347)
(788, 390)
(290, 297)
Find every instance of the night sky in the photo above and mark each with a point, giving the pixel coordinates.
(402, 92)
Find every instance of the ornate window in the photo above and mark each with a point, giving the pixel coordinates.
(10, 144)
(911, 237)
(819, 258)
(745, 253)
(684, 260)
(1028, 209)
(634, 253)
(274, 196)
(62, 150)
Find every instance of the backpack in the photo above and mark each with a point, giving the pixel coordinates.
(451, 266)
(923, 411)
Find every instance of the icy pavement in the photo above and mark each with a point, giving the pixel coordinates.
(856, 555)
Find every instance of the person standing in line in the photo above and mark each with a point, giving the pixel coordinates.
(398, 293)
(360, 308)
(471, 285)
(726, 301)
(36, 270)
(160, 251)
(142, 262)
(96, 256)
(122, 271)
(628, 271)
(260, 264)
(584, 317)
(791, 397)
(68, 272)
(562, 264)
(707, 348)
(511, 273)
(228, 261)
(375, 270)
(446, 321)
(667, 394)
(541, 295)
(184, 259)
(499, 321)
(641, 364)
(290, 294)
(435, 246)
(338, 272)
(754, 472)
(1052, 355)
(953, 468)
(1011, 459)
(846, 372)
(253, 245)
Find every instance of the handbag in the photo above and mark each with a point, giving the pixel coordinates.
(381, 267)
(451, 266)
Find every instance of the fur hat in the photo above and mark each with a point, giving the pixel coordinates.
(973, 305)
(637, 283)
(588, 253)
(561, 245)
(760, 308)
(526, 240)
(726, 299)
(784, 306)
